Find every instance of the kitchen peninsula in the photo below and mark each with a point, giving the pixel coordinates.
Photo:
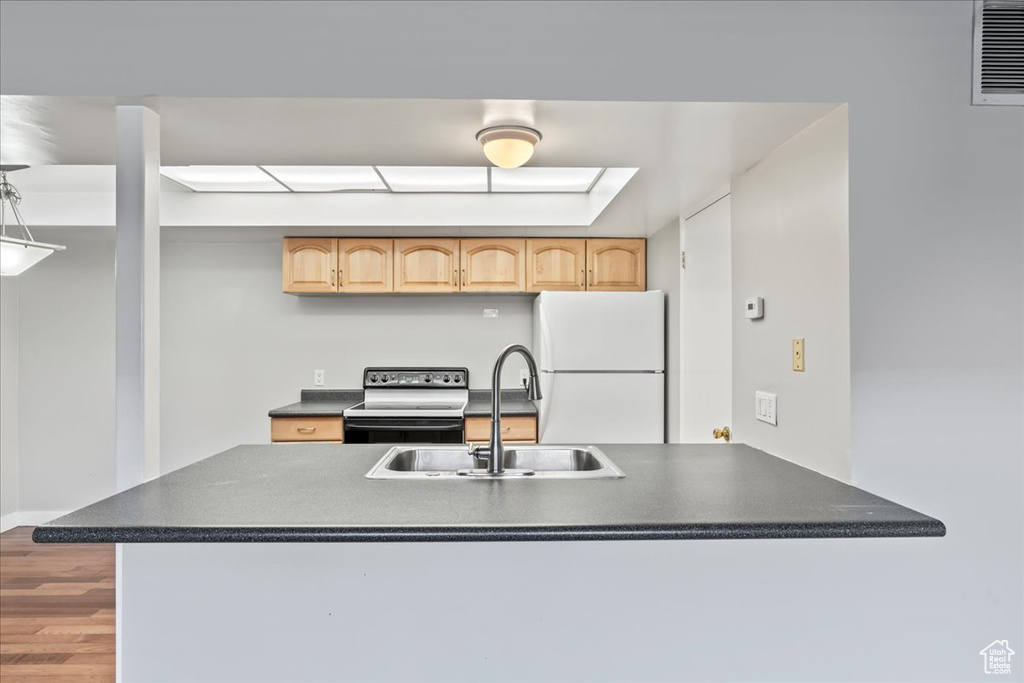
(292, 547)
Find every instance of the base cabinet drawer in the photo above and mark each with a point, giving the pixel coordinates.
(513, 429)
(306, 429)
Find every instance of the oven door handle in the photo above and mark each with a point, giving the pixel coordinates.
(450, 426)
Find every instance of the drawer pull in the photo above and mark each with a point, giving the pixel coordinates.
(306, 430)
(506, 429)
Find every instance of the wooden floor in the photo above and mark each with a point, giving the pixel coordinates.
(56, 611)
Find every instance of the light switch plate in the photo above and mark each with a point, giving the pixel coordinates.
(318, 378)
(765, 406)
(798, 355)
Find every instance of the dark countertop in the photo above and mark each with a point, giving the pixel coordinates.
(334, 402)
(513, 403)
(320, 403)
(318, 492)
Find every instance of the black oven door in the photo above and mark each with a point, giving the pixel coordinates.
(404, 430)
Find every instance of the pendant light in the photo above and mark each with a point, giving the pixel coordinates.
(18, 255)
(508, 146)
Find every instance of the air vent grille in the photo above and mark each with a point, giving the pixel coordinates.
(999, 52)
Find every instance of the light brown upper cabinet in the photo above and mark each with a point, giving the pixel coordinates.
(365, 265)
(426, 265)
(445, 265)
(493, 265)
(555, 264)
(310, 264)
(616, 265)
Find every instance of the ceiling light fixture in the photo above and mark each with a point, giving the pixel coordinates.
(18, 255)
(508, 146)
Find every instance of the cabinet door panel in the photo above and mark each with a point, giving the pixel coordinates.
(365, 265)
(310, 264)
(555, 264)
(513, 429)
(426, 265)
(493, 265)
(616, 265)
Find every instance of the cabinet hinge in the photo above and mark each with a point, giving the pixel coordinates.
(682, 260)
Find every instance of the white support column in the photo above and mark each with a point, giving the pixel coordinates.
(137, 293)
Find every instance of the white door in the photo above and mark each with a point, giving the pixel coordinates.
(600, 330)
(580, 408)
(706, 358)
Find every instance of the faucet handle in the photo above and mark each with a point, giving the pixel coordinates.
(481, 452)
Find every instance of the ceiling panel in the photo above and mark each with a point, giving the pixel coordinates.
(327, 178)
(435, 178)
(222, 178)
(543, 179)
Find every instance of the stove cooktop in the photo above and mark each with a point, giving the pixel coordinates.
(413, 392)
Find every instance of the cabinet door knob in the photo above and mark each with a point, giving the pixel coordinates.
(723, 433)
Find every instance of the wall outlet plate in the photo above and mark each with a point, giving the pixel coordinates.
(798, 355)
(490, 312)
(318, 378)
(765, 406)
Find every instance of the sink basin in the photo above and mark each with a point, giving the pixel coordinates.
(521, 462)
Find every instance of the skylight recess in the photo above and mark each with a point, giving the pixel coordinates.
(394, 179)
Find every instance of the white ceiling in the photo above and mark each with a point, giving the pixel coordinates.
(685, 151)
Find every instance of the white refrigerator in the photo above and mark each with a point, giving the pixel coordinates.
(602, 366)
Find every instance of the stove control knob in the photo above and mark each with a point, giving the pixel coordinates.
(447, 378)
(428, 378)
(457, 378)
(374, 378)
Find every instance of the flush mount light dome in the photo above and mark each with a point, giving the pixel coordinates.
(508, 146)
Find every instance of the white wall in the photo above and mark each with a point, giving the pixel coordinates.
(663, 272)
(706, 382)
(935, 209)
(8, 398)
(235, 346)
(790, 245)
(66, 374)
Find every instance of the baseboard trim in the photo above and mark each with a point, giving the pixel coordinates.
(8, 522)
(29, 518)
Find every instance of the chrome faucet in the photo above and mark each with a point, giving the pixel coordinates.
(495, 451)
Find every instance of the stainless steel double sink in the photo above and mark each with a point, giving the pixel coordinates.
(521, 462)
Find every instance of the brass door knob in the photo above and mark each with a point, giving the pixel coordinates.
(723, 433)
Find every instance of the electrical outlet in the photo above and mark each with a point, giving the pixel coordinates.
(490, 312)
(318, 378)
(765, 406)
(798, 355)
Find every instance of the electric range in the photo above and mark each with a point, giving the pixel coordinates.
(410, 405)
